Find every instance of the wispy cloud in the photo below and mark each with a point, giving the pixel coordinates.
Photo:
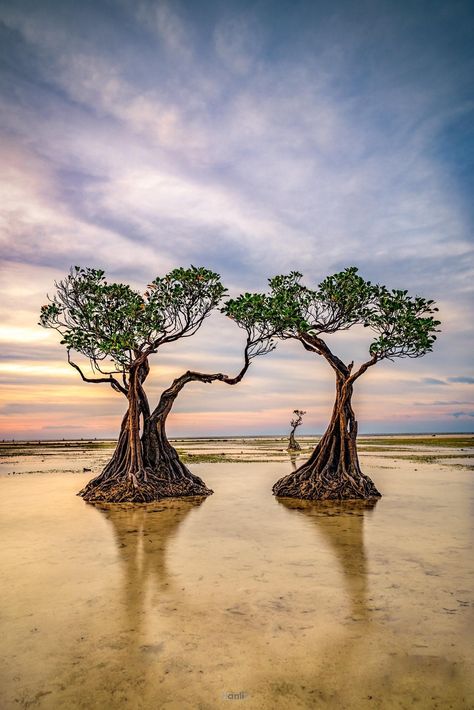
(137, 136)
(449, 403)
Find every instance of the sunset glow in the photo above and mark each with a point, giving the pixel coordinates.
(141, 136)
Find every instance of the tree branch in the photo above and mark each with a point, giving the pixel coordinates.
(110, 380)
(313, 343)
(170, 394)
(365, 366)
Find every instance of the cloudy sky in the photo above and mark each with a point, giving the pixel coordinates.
(252, 138)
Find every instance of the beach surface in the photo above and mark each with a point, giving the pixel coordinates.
(239, 599)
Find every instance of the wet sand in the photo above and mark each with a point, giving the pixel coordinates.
(239, 599)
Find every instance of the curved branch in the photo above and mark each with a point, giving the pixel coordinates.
(365, 366)
(314, 344)
(187, 329)
(248, 356)
(169, 395)
(110, 380)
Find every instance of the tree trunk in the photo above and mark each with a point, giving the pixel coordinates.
(332, 472)
(116, 468)
(124, 478)
(293, 444)
(173, 479)
(147, 468)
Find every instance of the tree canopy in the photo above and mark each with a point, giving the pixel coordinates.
(113, 323)
(298, 418)
(403, 325)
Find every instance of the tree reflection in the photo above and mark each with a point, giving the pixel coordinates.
(341, 525)
(143, 534)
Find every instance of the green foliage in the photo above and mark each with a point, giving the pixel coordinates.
(346, 299)
(292, 309)
(404, 325)
(112, 321)
(290, 304)
(339, 302)
(252, 312)
(176, 304)
(248, 309)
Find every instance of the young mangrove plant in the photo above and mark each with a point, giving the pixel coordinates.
(294, 424)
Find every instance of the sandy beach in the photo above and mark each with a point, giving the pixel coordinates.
(239, 598)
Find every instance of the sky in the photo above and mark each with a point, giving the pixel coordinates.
(252, 138)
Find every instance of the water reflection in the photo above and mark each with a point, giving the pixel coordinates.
(293, 459)
(300, 604)
(341, 525)
(143, 534)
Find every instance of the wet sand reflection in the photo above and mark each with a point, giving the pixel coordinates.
(143, 533)
(341, 526)
(294, 603)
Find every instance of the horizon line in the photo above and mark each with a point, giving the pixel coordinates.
(246, 436)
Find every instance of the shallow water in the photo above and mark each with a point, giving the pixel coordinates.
(238, 599)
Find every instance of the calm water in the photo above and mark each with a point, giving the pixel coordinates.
(239, 600)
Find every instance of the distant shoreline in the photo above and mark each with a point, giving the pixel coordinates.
(237, 437)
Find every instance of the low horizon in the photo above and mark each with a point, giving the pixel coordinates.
(253, 436)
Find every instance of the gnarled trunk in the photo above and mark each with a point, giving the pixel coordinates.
(173, 478)
(332, 472)
(125, 478)
(144, 468)
(147, 468)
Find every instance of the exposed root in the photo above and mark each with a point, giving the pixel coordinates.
(332, 472)
(145, 487)
(312, 485)
(326, 477)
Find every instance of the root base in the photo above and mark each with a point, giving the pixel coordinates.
(143, 490)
